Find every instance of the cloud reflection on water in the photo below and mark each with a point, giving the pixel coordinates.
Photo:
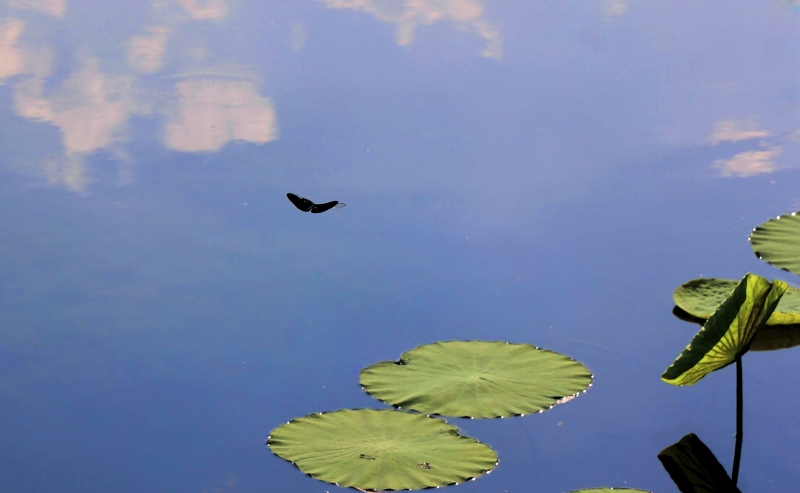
(52, 7)
(146, 52)
(212, 112)
(734, 131)
(753, 162)
(464, 13)
(11, 58)
(749, 163)
(93, 105)
(205, 10)
(90, 109)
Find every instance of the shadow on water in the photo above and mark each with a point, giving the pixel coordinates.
(694, 468)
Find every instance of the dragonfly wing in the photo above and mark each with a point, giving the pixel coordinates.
(304, 205)
(318, 208)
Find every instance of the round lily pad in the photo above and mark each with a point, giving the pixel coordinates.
(476, 379)
(381, 450)
(610, 490)
(777, 242)
(701, 297)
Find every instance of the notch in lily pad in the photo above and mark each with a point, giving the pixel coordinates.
(477, 379)
(381, 450)
(777, 242)
(730, 330)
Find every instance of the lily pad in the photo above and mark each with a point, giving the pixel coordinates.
(700, 297)
(381, 450)
(477, 379)
(729, 331)
(687, 317)
(694, 469)
(610, 490)
(774, 337)
(777, 242)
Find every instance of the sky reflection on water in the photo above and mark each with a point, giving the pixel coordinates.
(540, 172)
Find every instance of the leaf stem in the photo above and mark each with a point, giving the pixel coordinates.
(737, 452)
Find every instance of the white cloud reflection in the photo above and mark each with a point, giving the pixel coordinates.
(52, 7)
(412, 13)
(211, 112)
(92, 108)
(11, 58)
(205, 9)
(760, 160)
(749, 163)
(146, 52)
(734, 131)
(68, 171)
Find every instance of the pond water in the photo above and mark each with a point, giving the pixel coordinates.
(527, 171)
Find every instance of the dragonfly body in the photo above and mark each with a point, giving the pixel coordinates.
(306, 205)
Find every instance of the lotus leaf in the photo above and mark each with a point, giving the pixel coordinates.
(768, 338)
(610, 490)
(687, 317)
(773, 337)
(729, 331)
(477, 379)
(700, 297)
(694, 469)
(777, 242)
(385, 449)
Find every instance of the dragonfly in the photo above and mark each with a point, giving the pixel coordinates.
(306, 205)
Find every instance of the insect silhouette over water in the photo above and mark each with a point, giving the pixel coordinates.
(306, 205)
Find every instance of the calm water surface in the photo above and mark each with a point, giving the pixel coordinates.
(529, 171)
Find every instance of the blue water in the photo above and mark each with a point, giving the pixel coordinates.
(541, 172)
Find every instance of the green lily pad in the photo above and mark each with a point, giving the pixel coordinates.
(476, 379)
(729, 331)
(381, 450)
(774, 337)
(694, 469)
(610, 490)
(681, 314)
(700, 297)
(777, 242)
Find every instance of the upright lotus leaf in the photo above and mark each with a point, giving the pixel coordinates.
(701, 297)
(477, 379)
(768, 337)
(728, 332)
(610, 490)
(777, 242)
(381, 450)
(694, 469)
